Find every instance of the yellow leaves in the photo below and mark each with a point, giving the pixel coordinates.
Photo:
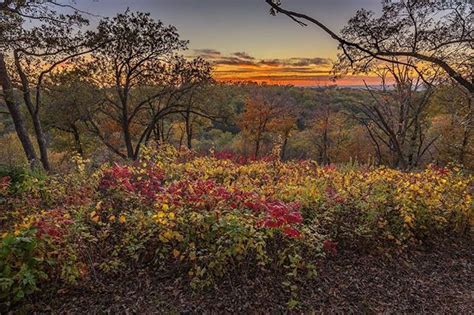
(122, 219)
(239, 249)
(408, 220)
(94, 216)
(98, 205)
(468, 198)
(112, 218)
(160, 218)
(159, 215)
(168, 234)
(440, 219)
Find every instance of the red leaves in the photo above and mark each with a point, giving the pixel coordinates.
(283, 216)
(294, 218)
(117, 177)
(53, 223)
(146, 182)
(291, 232)
(330, 168)
(209, 196)
(440, 170)
(5, 184)
(330, 247)
(204, 195)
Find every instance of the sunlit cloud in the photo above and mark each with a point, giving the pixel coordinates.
(304, 71)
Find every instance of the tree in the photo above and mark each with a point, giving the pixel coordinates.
(37, 51)
(453, 121)
(34, 9)
(15, 113)
(142, 77)
(267, 110)
(70, 100)
(423, 30)
(397, 118)
(7, 23)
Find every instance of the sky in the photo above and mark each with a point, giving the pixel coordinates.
(244, 42)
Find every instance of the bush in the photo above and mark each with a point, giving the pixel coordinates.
(21, 265)
(204, 218)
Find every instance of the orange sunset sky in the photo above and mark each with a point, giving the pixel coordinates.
(244, 42)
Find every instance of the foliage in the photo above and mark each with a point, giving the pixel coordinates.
(202, 218)
(20, 266)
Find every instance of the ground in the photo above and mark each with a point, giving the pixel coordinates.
(431, 279)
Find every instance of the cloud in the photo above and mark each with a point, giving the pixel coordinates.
(217, 58)
(241, 66)
(245, 59)
(207, 53)
(298, 70)
(243, 55)
(271, 62)
(298, 62)
(310, 61)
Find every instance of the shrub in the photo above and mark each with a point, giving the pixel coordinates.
(21, 265)
(204, 218)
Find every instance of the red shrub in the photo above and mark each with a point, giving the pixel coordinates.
(146, 182)
(52, 223)
(208, 196)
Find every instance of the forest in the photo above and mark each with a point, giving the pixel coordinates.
(134, 179)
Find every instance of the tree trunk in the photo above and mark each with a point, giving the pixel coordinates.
(42, 143)
(189, 133)
(466, 133)
(15, 113)
(34, 113)
(283, 147)
(126, 134)
(325, 153)
(257, 148)
(77, 140)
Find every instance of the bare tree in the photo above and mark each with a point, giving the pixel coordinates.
(142, 77)
(423, 30)
(15, 113)
(13, 105)
(37, 51)
(396, 119)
